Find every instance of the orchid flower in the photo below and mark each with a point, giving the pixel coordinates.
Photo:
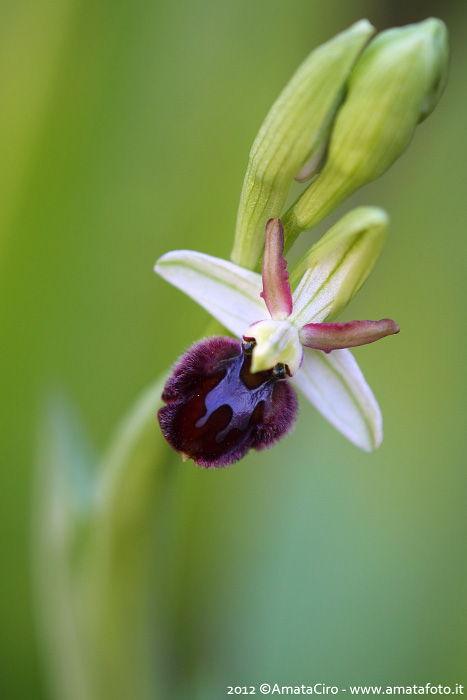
(225, 396)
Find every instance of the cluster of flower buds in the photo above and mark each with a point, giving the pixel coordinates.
(346, 115)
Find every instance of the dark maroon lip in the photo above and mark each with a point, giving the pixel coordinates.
(216, 409)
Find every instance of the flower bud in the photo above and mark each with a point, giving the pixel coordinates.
(293, 137)
(395, 84)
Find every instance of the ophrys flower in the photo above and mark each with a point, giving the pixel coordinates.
(226, 396)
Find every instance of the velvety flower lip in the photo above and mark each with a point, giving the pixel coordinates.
(217, 409)
(214, 413)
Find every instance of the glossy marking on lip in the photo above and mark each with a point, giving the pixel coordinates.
(233, 391)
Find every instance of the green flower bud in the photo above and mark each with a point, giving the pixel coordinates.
(293, 137)
(395, 84)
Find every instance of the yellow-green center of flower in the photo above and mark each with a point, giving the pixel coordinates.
(276, 342)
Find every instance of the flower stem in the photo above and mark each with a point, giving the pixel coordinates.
(94, 566)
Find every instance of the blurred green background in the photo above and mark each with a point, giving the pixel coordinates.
(125, 129)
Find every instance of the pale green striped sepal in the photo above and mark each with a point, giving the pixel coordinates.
(335, 268)
(335, 385)
(227, 291)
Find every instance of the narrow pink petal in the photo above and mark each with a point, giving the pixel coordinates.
(276, 289)
(335, 336)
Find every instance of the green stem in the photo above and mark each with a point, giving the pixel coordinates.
(93, 564)
(97, 577)
(117, 572)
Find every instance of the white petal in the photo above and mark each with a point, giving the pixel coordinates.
(335, 385)
(229, 292)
